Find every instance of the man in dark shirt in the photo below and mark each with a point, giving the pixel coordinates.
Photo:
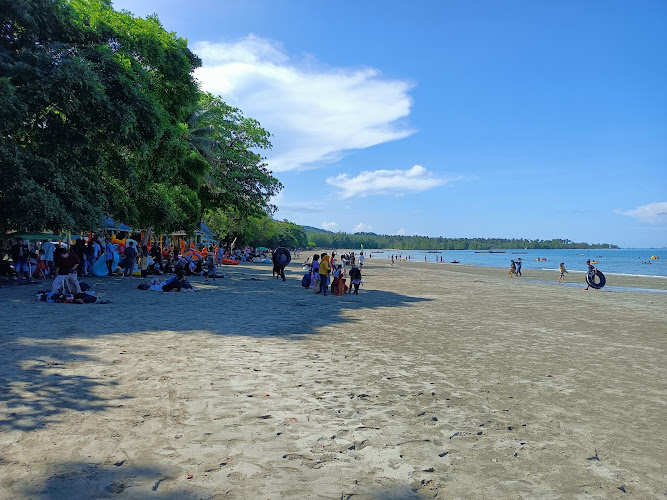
(130, 259)
(20, 256)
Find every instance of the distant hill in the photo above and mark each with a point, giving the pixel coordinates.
(316, 229)
(328, 239)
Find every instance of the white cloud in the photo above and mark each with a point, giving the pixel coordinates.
(654, 213)
(314, 113)
(362, 228)
(397, 182)
(402, 231)
(330, 226)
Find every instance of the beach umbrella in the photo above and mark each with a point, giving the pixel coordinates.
(262, 249)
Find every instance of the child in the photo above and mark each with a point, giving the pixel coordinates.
(143, 261)
(562, 270)
(315, 273)
(335, 285)
(210, 266)
(355, 280)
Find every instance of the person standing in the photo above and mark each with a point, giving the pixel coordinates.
(518, 266)
(590, 275)
(20, 256)
(355, 280)
(562, 270)
(108, 255)
(324, 273)
(210, 266)
(143, 261)
(49, 248)
(361, 260)
(130, 259)
(315, 273)
(79, 248)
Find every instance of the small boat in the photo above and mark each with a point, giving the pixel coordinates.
(454, 262)
(434, 251)
(491, 251)
(377, 251)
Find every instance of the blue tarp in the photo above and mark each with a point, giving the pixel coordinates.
(110, 224)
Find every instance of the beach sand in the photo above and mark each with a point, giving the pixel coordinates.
(436, 381)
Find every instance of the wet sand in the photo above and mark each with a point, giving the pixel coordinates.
(436, 381)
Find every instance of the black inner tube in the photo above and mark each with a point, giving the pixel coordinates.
(281, 257)
(590, 280)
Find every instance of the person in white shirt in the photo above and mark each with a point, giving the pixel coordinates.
(49, 249)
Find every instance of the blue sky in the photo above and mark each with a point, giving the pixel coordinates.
(442, 118)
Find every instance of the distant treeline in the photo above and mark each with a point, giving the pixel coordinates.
(368, 240)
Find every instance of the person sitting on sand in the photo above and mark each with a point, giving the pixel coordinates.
(562, 270)
(66, 280)
(179, 284)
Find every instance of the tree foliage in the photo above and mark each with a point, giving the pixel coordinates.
(100, 115)
(256, 231)
(237, 178)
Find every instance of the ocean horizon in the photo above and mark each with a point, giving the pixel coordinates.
(621, 262)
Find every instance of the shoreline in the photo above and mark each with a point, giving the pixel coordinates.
(547, 277)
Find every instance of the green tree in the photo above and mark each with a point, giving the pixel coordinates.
(92, 110)
(237, 177)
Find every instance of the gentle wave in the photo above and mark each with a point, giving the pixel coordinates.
(606, 273)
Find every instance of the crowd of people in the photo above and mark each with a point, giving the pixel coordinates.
(67, 262)
(326, 273)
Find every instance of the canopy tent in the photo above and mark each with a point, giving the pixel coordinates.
(205, 236)
(34, 236)
(261, 249)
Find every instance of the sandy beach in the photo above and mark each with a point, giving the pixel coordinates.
(436, 381)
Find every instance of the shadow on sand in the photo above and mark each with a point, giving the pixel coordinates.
(37, 387)
(82, 481)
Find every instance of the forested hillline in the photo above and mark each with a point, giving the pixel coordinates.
(371, 241)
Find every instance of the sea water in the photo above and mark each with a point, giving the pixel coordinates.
(624, 262)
